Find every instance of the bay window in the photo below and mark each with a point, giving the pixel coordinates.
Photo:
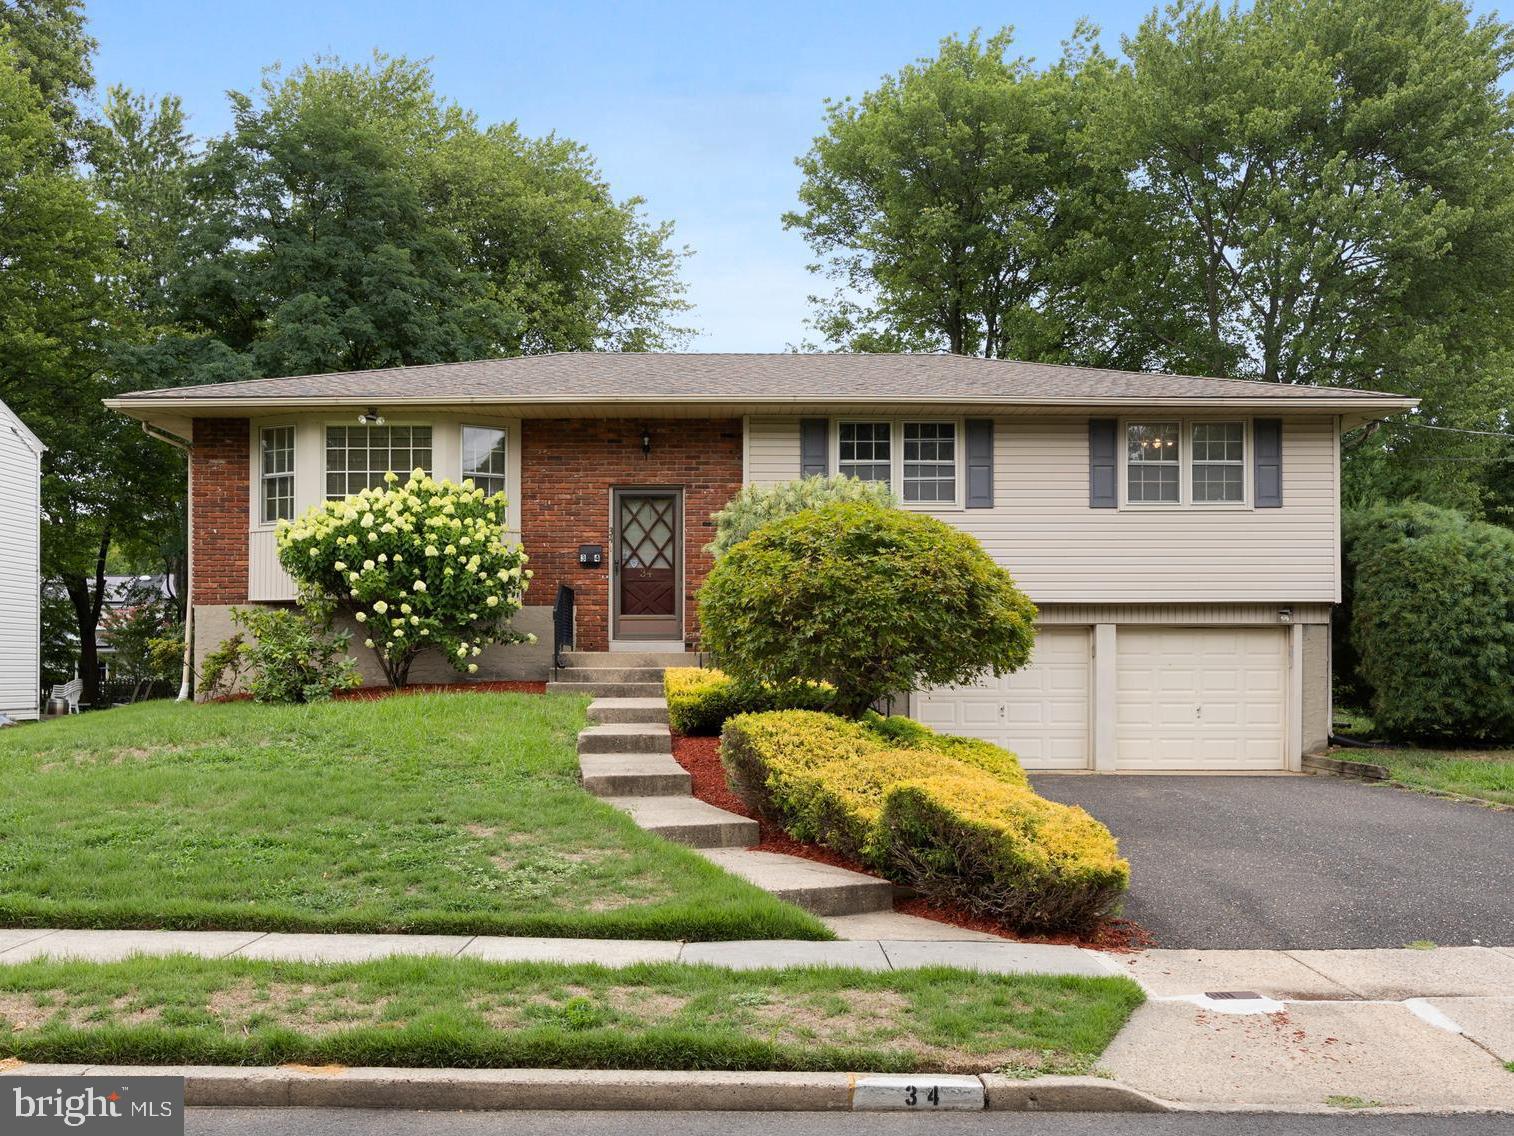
(484, 458)
(276, 473)
(358, 457)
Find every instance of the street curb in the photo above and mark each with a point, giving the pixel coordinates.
(231, 1086)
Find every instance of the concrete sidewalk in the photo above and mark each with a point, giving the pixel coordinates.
(1312, 1030)
(993, 956)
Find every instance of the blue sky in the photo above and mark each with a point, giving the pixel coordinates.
(698, 107)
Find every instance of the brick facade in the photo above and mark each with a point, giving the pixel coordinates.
(219, 464)
(568, 469)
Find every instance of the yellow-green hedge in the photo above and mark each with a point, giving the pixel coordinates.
(965, 821)
(700, 699)
(1001, 851)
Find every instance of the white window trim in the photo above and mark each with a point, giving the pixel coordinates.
(463, 474)
(258, 522)
(326, 424)
(896, 455)
(1185, 499)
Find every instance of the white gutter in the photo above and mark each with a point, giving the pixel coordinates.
(1306, 403)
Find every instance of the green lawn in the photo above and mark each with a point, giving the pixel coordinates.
(1486, 774)
(464, 1013)
(430, 813)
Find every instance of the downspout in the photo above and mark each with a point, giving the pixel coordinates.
(186, 673)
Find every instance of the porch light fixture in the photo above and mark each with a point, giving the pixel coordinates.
(370, 417)
(646, 442)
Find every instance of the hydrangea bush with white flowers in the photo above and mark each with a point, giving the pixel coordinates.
(421, 566)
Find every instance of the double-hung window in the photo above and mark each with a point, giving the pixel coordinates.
(276, 450)
(484, 458)
(1153, 464)
(865, 451)
(1185, 463)
(930, 462)
(1219, 463)
(358, 457)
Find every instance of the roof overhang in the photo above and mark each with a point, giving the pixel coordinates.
(175, 415)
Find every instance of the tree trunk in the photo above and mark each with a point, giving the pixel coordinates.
(87, 616)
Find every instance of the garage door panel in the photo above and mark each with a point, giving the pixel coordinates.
(1039, 713)
(1200, 698)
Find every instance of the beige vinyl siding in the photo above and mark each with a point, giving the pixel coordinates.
(1183, 615)
(772, 451)
(20, 573)
(1063, 552)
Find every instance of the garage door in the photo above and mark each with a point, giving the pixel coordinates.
(1207, 698)
(1040, 713)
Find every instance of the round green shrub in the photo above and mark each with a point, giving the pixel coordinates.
(873, 600)
(1433, 623)
(756, 505)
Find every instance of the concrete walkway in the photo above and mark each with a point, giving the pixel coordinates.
(625, 756)
(993, 956)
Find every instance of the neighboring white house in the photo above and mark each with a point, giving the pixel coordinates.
(20, 567)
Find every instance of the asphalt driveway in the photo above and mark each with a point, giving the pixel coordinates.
(1302, 862)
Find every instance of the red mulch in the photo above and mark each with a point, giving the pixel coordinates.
(374, 693)
(701, 757)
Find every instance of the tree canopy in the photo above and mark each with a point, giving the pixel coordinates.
(1311, 191)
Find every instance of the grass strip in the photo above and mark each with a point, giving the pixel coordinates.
(463, 1013)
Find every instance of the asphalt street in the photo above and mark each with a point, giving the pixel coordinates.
(355, 1122)
(1302, 862)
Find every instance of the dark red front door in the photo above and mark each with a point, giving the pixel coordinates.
(648, 589)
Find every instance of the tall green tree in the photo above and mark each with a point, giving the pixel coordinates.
(58, 315)
(353, 219)
(944, 202)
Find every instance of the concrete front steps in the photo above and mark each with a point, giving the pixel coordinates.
(626, 758)
(617, 674)
(821, 889)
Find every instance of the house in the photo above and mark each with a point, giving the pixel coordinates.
(1180, 534)
(20, 568)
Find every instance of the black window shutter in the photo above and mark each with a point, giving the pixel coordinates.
(814, 447)
(980, 463)
(1267, 438)
(1103, 451)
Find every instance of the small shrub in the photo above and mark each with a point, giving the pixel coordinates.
(422, 565)
(294, 658)
(221, 671)
(1002, 852)
(1433, 623)
(1030, 862)
(700, 699)
(756, 505)
(873, 601)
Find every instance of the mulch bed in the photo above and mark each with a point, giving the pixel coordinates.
(701, 757)
(374, 693)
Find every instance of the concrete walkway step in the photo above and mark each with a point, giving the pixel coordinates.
(626, 737)
(634, 775)
(603, 711)
(689, 821)
(819, 888)
(608, 689)
(595, 659)
(608, 674)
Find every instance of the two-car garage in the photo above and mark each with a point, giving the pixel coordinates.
(1183, 698)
